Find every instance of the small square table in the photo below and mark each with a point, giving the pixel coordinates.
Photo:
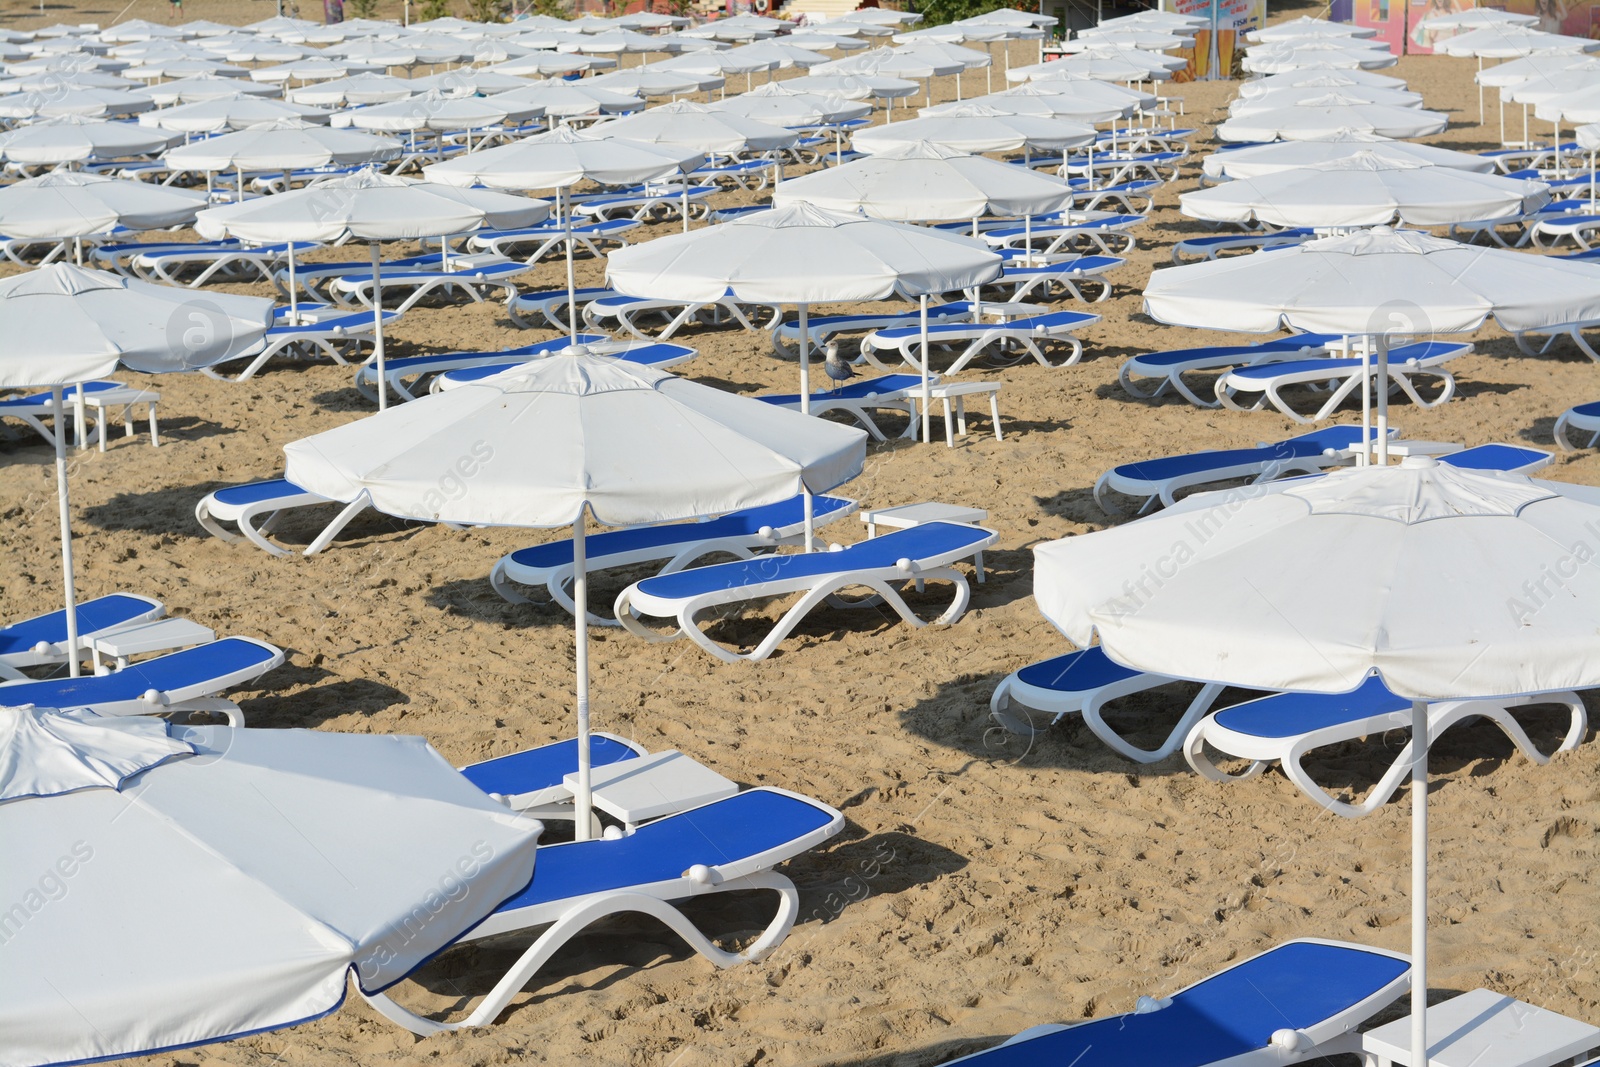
(908, 515)
(158, 636)
(649, 787)
(1484, 1029)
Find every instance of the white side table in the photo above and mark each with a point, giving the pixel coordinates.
(959, 391)
(1484, 1029)
(649, 787)
(158, 636)
(908, 515)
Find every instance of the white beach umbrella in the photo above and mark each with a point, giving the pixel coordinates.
(371, 207)
(284, 145)
(64, 325)
(783, 107)
(1332, 80)
(1153, 39)
(1142, 58)
(803, 255)
(230, 113)
(74, 139)
(356, 89)
(1475, 18)
(613, 42)
(435, 111)
(536, 64)
(650, 20)
(1511, 41)
(140, 30)
(1366, 189)
(1084, 88)
(698, 127)
(719, 64)
(923, 182)
(468, 81)
(1541, 65)
(559, 99)
(785, 54)
(284, 906)
(52, 81)
(821, 42)
(1285, 58)
(1357, 284)
(205, 87)
(1305, 26)
(895, 64)
(68, 204)
(968, 58)
(1287, 97)
(312, 69)
(1422, 581)
(1331, 115)
(625, 443)
(559, 160)
(855, 86)
(1581, 107)
(1108, 68)
(384, 53)
(184, 68)
(1029, 99)
(975, 128)
(1257, 160)
(646, 82)
(92, 103)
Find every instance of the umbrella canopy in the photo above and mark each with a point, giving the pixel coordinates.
(975, 128)
(312, 69)
(1305, 26)
(1502, 41)
(47, 752)
(649, 82)
(282, 146)
(1030, 99)
(715, 63)
(433, 110)
(466, 81)
(65, 204)
(1349, 284)
(293, 904)
(1278, 156)
(369, 206)
(818, 42)
(564, 100)
(357, 89)
(94, 103)
(1106, 68)
(709, 451)
(74, 139)
(561, 158)
(206, 87)
(1364, 189)
(1516, 71)
(65, 324)
(854, 86)
(700, 128)
(1320, 117)
(1321, 78)
(1287, 97)
(1085, 89)
(896, 64)
(1475, 18)
(787, 108)
(1551, 85)
(923, 181)
(539, 63)
(236, 113)
(1280, 59)
(1582, 106)
(802, 254)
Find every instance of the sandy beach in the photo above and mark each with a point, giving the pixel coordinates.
(984, 883)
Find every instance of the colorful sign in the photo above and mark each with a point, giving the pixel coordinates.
(1218, 46)
(1399, 21)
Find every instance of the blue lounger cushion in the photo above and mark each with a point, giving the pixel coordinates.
(1052, 320)
(239, 496)
(176, 671)
(101, 613)
(877, 553)
(1180, 356)
(858, 390)
(68, 394)
(410, 364)
(746, 523)
(1495, 458)
(545, 766)
(1304, 446)
(356, 320)
(1075, 672)
(1294, 986)
(1293, 714)
(748, 824)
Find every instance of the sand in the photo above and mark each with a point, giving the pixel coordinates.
(983, 883)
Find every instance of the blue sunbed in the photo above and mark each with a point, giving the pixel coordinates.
(43, 638)
(396, 371)
(646, 355)
(1170, 366)
(919, 554)
(740, 533)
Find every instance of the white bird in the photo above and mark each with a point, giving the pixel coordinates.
(837, 369)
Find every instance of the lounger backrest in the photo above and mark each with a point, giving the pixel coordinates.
(174, 671)
(93, 615)
(539, 768)
(1294, 986)
(754, 822)
(1293, 714)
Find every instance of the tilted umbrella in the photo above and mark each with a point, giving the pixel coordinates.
(64, 325)
(1257, 160)
(559, 160)
(804, 255)
(1365, 189)
(73, 139)
(975, 128)
(561, 438)
(1421, 580)
(69, 204)
(234, 113)
(306, 860)
(95, 103)
(372, 207)
(1318, 117)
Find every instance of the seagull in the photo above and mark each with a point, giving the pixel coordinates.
(837, 369)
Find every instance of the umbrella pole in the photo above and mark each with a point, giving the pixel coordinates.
(927, 386)
(71, 593)
(1419, 881)
(808, 501)
(1383, 400)
(294, 301)
(1479, 80)
(572, 285)
(583, 801)
(377, 328)
(685, 206)
(805, 359)
(1366, 400)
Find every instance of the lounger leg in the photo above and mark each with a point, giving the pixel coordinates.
(585, 914)
(209, 524)
(351, 510)
(1094, 718)
(256, 536)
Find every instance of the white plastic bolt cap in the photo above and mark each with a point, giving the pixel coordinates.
(700, 874)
